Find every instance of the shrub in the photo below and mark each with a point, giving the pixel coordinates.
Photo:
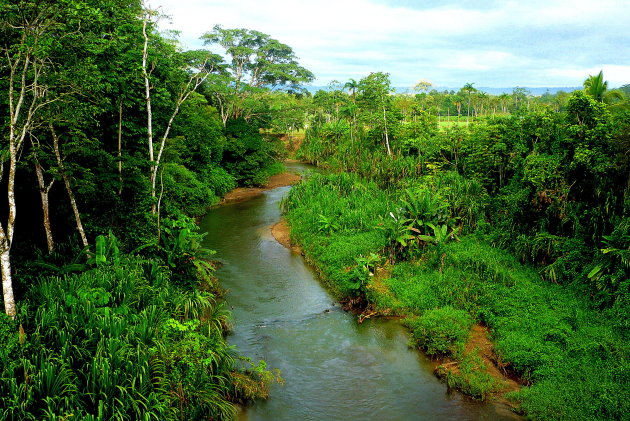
(442, 331)
(184, 192)
(219, 180)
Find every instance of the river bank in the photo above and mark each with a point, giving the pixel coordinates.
(457, 294)
(241, 194)
(478, 344)
(283, 315)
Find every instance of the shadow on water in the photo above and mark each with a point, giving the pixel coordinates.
(334, 368)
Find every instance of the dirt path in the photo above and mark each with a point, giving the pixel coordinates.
(241, 194)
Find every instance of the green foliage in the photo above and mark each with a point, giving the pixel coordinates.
(441, 331)
(365, 267)
(184, 191)
(116, 342)
(198, 136)
(610, 272)
(219, 180)
(247, 152)
(10, 338)
(262, 175)
(185, 254)
(472, 379)
(334, 217)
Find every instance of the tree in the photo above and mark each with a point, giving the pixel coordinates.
(597, 88)
(422, 85)
(24, 53)
(470, 89)
(375, 97)
(256, 62)
(201, 68)
(352, 86)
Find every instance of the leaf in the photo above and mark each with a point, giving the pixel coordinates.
(100, 250)
(426, 238)
(595, 273)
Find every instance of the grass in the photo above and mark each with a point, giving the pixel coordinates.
(573, 357)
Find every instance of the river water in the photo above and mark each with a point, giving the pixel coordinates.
(333, 367)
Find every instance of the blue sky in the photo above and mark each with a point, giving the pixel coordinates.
(533, 43)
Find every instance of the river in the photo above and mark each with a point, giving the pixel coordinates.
(334, 368)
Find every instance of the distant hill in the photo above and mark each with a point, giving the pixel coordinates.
(492, 91)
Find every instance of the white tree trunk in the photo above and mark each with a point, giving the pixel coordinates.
(147, 98)
(195, 80)
(66, 181)
(7, 281)
(44, 191)
(389, 151)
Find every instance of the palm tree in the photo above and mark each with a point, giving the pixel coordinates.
(470, 89)
(352, 85)
(504, 99)
(597, 88)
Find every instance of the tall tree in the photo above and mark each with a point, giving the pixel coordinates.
(194, 70)
(375, 97)
(597, 88)
(470, 89)
(256, 62)
(25, 32)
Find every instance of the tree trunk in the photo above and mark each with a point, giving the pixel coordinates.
(6, 238)
(389, 151)
(195, 80)
(147, 97)
(44, 190)
(66, 181)
(7, 281)
(120, 119)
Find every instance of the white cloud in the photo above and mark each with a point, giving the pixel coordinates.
(615, 75)
(536, 42)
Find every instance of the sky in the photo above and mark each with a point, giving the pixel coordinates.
(502, 43)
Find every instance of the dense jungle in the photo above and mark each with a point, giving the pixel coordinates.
(495, 228)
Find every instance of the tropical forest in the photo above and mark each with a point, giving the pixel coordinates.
(202, 234)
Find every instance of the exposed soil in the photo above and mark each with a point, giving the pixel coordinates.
(292, 142)
(281, 232)
(479, 343)
(242, 194)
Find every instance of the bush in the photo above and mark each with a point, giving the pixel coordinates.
(246, 152)
(184, 192)
(219, 180)
(119, 341)
(472, 378)
(442, 331)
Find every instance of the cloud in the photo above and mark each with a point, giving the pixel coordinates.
(451, 42)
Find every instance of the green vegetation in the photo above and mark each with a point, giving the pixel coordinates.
(453, 209)
(516, 222)
(109, 127)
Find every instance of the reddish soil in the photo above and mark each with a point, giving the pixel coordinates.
(479, 342)
(241, 194)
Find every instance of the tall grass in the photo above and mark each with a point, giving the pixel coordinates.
(117, 342)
